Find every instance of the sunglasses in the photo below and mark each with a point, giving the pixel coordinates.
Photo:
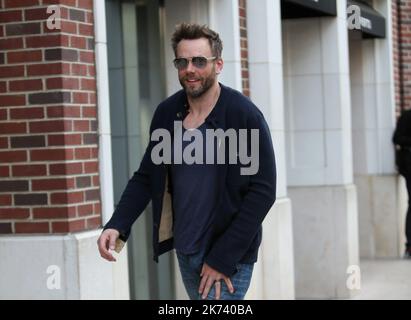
(198, 62)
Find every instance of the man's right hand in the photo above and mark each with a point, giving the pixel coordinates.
(106, 242)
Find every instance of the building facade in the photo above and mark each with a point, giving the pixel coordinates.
(80, 79)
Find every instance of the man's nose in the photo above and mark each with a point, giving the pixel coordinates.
(190, 66)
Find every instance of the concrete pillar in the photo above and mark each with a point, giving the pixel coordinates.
(224, 18)
(60, 267)
(319, 154)
(373, 118)
(274, 277)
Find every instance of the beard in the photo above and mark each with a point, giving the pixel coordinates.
(204, 85)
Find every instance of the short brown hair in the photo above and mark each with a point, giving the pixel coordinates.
(192, 31)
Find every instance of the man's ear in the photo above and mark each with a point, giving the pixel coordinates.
(219, 66)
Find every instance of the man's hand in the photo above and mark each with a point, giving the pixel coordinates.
(212, 277)
(106, 241)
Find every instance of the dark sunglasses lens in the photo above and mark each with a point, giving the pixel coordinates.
(181, 63)
(199, 62)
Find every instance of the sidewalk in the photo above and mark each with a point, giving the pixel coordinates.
(385, 279)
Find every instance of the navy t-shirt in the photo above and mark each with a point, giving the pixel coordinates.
(194, 196)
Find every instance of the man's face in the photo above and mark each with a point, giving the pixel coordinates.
(197, 81)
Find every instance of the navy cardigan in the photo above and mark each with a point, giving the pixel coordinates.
(243, 200)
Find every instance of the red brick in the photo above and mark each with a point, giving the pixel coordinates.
(4, 171)
(26, 85)
(79, 69)
(49, 97)
(78, 42)
(54, 212)
(36, 14)
(22, 29)
(47, 41)
(27, 113)
(88, 84)
(10, 72)
(97, 208)
(27, 141)
(14, 213)
(85, 4)
(13, 156)
(89, 17)
(85, 210)
(24, 56)
(50, 126)
(94, 152)
(11, 16)
(5, 228)
(3, 86)
(12, 100)
(30, 199)
(92, 98)
(77, 15)
(91, 71)
(5, 200)
(90, 138)
(13, 127)
(82, 153)
(67, 197)
(11, 43)
(3, 114)
(81, 125)
(63, 111)
(87, 57)
(45, 69)
(86, 29)
(51, 154)
(52, 184)
(91, 167)
(62, 83)
(66, 168)
(80, 97)
(20, 3)
(89, 112)
(96, 181)
(64, 139)
(93, 194)
(4, 142)
(68, 226)
(32, 227)
(71, 3)
(83, 182)
(69, 27)
(13, 185)
(28, 170)
(94, 223)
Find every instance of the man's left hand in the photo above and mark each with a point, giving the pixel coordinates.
(210, 277)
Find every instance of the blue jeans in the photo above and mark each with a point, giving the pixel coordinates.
(190, 268)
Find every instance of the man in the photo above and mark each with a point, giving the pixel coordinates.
(402, 139)
(210, 213)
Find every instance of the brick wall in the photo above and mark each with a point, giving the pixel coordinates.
(49, 179)
(402, 53)
(244, 46)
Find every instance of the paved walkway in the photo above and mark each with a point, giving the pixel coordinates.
(385, 279)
